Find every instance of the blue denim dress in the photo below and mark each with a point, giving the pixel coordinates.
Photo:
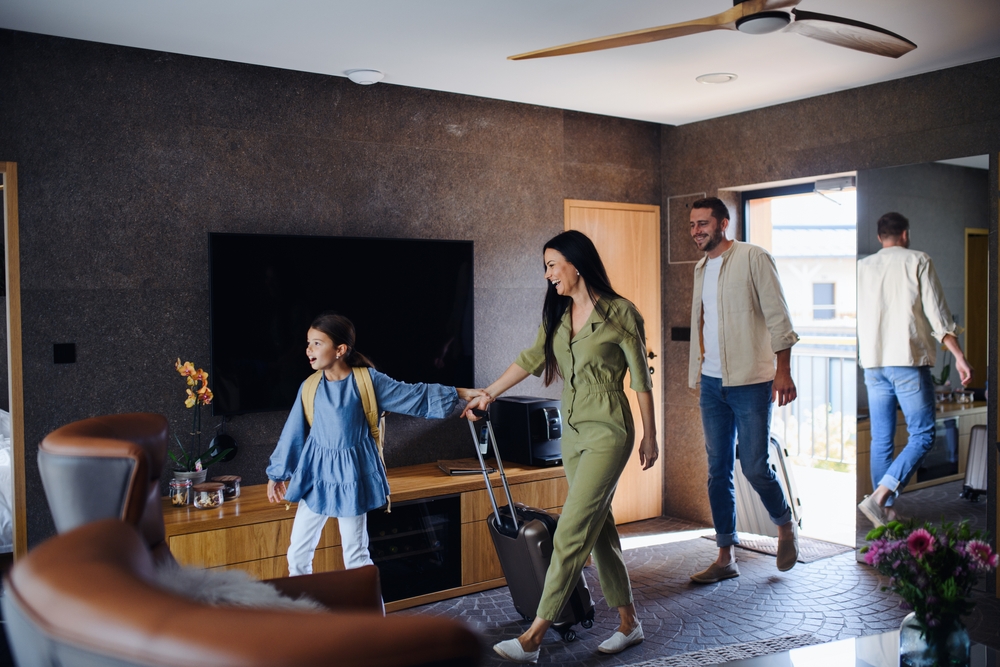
(334, 467)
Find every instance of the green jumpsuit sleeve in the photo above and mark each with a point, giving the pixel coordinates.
(532, 360)
(634, 346)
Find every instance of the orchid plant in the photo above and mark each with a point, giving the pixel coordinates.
(932, 568)
(192, 458)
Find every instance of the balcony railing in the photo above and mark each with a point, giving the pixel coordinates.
(821, 424)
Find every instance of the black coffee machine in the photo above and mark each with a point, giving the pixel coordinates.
(528, 429)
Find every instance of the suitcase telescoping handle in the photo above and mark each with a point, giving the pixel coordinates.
(491, 437)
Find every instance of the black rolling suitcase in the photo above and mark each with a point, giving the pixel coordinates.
(523, 541)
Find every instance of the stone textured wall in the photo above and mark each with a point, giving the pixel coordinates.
(946, 114)
(127, 158)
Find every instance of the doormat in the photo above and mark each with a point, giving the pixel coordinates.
(810, 549)
(724, 654)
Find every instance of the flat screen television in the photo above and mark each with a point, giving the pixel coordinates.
(411, 302)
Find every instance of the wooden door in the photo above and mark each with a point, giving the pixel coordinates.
(628, 238)
(977, 302)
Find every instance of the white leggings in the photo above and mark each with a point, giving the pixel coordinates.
(308, 528)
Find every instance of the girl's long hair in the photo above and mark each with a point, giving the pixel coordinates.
(341, 332)
(579, 251)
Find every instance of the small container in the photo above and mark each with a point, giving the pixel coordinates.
(231, 485)
(963, 396)
(180, 492)
(208, 495)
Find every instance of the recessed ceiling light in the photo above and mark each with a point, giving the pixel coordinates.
(717, 77)
(365, 77)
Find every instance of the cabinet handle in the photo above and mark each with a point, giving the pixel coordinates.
(651, 370)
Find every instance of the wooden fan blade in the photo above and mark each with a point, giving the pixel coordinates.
(724, 21)
(850, 34)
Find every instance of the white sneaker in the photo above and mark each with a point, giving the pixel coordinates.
(620, 641)
(513, 651)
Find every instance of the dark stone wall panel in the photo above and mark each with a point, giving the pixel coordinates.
(597, 182)
(610, 141)
(128, 158)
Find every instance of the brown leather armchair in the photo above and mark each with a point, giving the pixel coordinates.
(86, 591)
(110, 466)
(85, 598)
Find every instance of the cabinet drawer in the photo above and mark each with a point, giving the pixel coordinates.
(966, 422)
(479, 556)
(326, 560)
(543, 494)
(239, 544)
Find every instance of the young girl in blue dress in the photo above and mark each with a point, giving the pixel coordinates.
(333, 468)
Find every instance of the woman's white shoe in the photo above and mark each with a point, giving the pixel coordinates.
(620, 641)
(512, 650)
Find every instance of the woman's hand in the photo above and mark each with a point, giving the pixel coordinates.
(276, 491)
(648, 451)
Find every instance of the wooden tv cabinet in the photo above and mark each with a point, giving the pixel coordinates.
(251, 534)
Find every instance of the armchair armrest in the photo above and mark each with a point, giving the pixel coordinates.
(357, 589)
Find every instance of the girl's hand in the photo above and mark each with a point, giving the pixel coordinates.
(276, 491)
(468, 394)
(480, 401)
(648, 452)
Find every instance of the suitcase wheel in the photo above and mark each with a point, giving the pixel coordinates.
(589, 623)
(569, 636)
(529, 620)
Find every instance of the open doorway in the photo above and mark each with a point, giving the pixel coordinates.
(811, 231)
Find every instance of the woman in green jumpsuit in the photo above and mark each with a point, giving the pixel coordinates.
(589, 337)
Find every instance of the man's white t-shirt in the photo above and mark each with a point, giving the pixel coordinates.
(712, 364)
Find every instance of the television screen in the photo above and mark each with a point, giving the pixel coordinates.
(410, 301)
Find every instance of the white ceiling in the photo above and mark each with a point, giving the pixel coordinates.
(461, 46)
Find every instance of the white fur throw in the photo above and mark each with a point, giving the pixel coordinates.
(227, 588)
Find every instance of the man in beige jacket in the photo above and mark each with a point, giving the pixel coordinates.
(743, 325)
(902, 318)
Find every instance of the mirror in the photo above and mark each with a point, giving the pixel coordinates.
(947, 204)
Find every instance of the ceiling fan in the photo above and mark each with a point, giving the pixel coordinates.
(755, 17)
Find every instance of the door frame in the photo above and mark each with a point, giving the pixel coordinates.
(15, 377)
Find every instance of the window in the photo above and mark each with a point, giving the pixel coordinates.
(823, 304)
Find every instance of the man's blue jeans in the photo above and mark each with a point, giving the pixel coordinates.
(913, 389)
(726, 411)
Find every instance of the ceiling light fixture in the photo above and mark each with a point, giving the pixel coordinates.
(717, 77)
(365, 77)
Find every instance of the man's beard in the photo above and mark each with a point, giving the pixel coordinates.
(718, 237)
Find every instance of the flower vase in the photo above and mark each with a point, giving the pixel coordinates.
(196, 476)
(946, 646)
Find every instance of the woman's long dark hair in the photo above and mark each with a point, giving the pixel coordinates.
(579, 251)
(341, 332)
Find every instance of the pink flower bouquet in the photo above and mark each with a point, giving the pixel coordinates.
(932, 569)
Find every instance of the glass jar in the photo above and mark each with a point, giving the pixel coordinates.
(231, 485)
(180, 492)
(947, 646)
(208, 495)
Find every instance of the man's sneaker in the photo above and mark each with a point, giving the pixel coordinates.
(874, 511)
(715, 573)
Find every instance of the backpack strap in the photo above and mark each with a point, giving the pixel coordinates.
(309, 389)
(376, 422)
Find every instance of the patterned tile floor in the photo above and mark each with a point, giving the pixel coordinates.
(834, 598)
